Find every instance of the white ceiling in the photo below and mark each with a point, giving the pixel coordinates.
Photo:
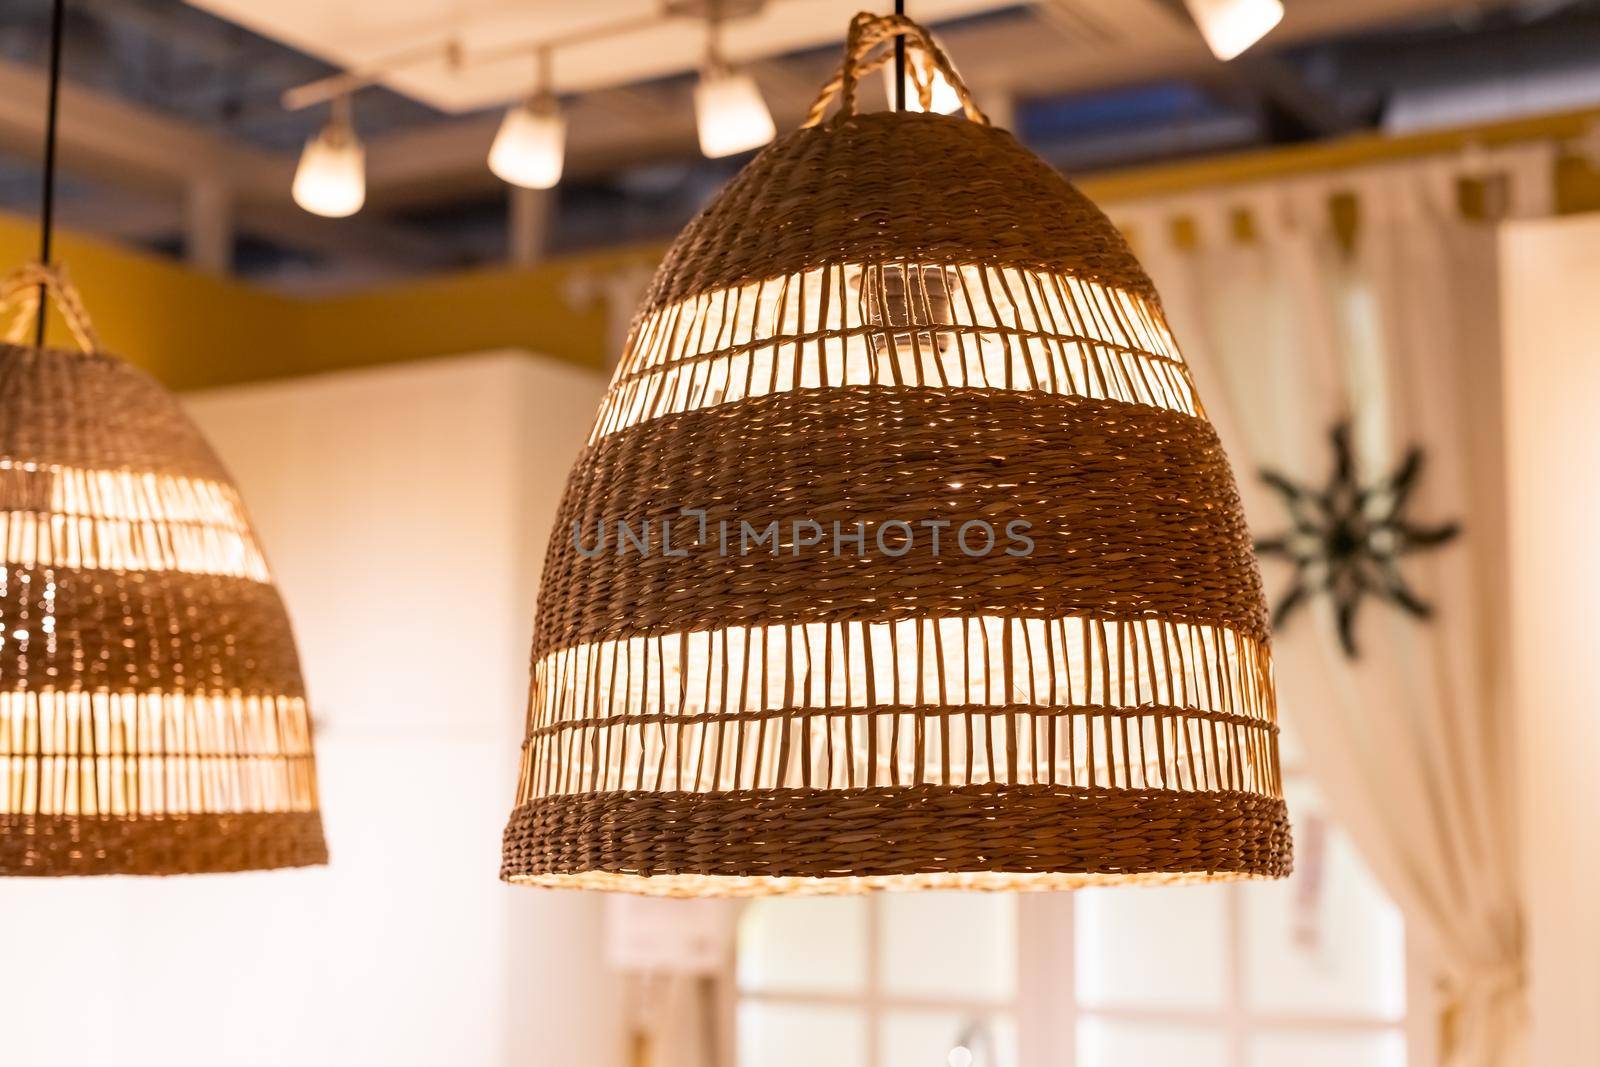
(358, 34)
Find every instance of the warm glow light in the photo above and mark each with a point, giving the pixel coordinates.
(760, 707)
(154, 753)
(960, 1056)
(126, 521)
(531, 145)
(1010, 328)
(730, 114)
(1086, 696)
(331, 179)
(153, 718)
(1231, 26)
(919, 69)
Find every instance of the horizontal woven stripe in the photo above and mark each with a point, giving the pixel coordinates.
(56, 845)
(143, 631)
(1133, 513)
(33, 540)
(982, 327)
(1146, 704)
(885, 186)
(119, 494)
(685, 886)
(154, 753)
(159, 724)
(119, 520)
(1154, 747)
(982, 662)
(908, 831)
(93, 411)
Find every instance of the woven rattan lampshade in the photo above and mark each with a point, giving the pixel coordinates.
(899, 320)
(152, 714)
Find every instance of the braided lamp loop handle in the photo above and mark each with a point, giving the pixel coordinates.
(19, 295)
(868, 32)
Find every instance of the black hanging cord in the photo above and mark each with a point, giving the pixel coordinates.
(899, 61)
(47, 205)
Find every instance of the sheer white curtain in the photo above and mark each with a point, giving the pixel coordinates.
(1292, 322)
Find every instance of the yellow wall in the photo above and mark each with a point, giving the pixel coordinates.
(1577, 183)
(192, 330)
(184, 327)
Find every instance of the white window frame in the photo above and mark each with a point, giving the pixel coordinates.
(1046, 1009)
(877, 1002)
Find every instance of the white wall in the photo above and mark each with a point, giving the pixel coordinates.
(1552, 374)
(404, 510)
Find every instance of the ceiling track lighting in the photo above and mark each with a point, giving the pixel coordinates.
(530, 147)
(331, 179)
(153, 719)
(730, 114)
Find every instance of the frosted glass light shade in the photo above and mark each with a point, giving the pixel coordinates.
(730, 114)
(531, 146)
(945, 100)
(331, 179)
(1231, 26)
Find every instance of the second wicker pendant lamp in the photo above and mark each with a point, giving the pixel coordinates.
(152, 715)
(899, 325)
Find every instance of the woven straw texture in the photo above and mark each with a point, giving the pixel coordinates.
(755, 667)
(152, 715)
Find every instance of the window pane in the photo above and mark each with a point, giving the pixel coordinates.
(801, 1035)
(1151, 946)
(927, 1038)
(1326, 941)
(957, 945)
(804, 945)
(1328, 1048)
(1141, 1043)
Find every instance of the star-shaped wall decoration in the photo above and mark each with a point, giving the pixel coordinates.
(1348, 538)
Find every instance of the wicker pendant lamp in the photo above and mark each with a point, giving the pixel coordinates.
(888, 329)
(152, 715)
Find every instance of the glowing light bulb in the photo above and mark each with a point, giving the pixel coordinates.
(730, 114)
(944, 99)
(331, 179)
(1231, 26)
(532, 144)
(891, 297)
(960, 1056)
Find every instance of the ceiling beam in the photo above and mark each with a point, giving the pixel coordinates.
(112, 140)
(612, 128)
(121, 144)
(1293, 109)
(1059, 46)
